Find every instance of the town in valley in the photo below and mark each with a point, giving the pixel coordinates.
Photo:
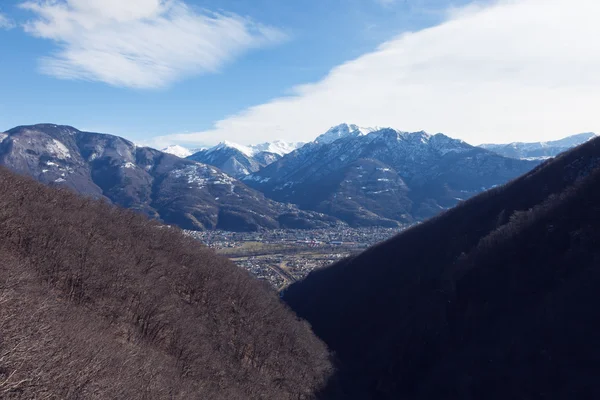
(283, 256)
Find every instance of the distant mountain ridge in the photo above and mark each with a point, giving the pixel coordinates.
(362, 176)
(175, 190)
(234, 160)
(539, 150)
(178, 151)
(342, 131)
(238, 160)
(383, 176)
(278, 147)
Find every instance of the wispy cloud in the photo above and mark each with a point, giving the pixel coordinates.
(514, 70)
(140, 43)
(5, 22)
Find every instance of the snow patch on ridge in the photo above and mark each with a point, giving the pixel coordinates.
(178, 151)
(278, 147)
(223, 145)
(58, 149)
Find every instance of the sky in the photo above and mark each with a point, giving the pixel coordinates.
(197, 72)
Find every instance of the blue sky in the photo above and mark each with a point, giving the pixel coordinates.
(321, 34)
(196, 72)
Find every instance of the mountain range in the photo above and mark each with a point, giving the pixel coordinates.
(385, 176)
(175, 190)
(352, 175)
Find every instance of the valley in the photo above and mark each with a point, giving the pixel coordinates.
(299, 200)
(284, 256)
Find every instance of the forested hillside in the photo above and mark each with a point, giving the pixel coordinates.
(496, 298)
(97, 302)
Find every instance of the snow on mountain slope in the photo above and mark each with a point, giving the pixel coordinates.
(539, 150)
(178, 151)
(230, 158)
(342, 131)
(278, 147)
(418, 174)
(238, 160)
(249, 152)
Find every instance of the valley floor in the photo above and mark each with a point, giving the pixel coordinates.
(284, 256)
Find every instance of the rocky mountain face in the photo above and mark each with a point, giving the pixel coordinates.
(539, 150)
(385, 176)
(175, 190)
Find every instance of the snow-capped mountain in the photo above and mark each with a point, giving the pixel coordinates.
(178, 191)
(384, 176)
(238, 160)
(278, 147)
(342, 131)
(226, 145)
(539, 150)
(178, 151)
(234, 159)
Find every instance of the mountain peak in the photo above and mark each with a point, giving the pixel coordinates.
(342, 131)
(178, 151)
(231, 145)
(278, 147)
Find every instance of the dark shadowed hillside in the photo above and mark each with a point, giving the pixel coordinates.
(494, 299)
(97, 302)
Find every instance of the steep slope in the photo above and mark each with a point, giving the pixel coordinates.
(493, 299)
(98, 302)
(176, 191)
(540, 150)
(418, 176)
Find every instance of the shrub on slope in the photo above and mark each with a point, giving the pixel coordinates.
(98, 302)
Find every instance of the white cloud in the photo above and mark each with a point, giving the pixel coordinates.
(514, 70)
(140, 43)
(5, 22)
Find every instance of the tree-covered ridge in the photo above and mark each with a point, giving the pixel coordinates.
(99, 302)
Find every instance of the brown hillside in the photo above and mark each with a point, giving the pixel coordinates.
(97, 302)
